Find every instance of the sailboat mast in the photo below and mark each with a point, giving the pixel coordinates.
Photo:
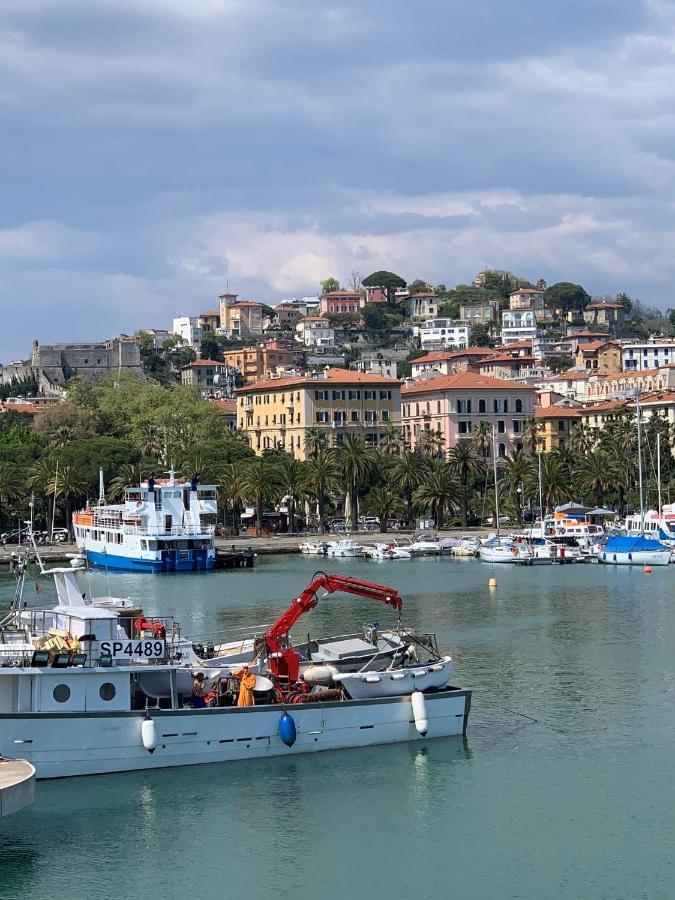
(494, 464)
(541, 496)
(658, 469)
(639, 437)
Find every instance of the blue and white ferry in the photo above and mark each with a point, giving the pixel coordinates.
(164, 525)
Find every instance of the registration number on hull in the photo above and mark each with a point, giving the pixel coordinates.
(150, 649)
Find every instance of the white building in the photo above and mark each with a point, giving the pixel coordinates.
(189, 329)
(518, 325)
(543, 345)
(439, 334)
(314, 331)
(651, 354)
(381, 362)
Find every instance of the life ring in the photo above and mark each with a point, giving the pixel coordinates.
(158, 630)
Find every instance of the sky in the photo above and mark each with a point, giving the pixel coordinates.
(154, 153)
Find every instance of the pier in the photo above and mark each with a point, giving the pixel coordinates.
(17, 785)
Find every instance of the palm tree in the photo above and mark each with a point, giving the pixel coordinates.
(518, 472)
(555, 482)
(260, 481)
(481, 438)
(384, 503)
(69, 485)
(532, 432)
(40, 476)
(127, 476)
(467, 466)
(9, 485)
(356, 460)
(197, 461)
(391, 441)
(228, 483)
(406, 473)
(151, 442)
(594, 474)
(582, 439)
(439, 489)
(432, 444)
(293, 474)
(322, 477)
(316, 441)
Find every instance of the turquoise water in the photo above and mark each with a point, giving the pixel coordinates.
(576, 804)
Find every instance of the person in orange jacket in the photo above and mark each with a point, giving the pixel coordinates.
(246, 685)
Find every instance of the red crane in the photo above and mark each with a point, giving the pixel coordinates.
(284, 662)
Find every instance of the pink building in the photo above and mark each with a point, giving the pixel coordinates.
(341, 303)
(453, 405)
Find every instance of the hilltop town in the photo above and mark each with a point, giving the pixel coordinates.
(501, 365)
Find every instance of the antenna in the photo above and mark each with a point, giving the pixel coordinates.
(101, 488)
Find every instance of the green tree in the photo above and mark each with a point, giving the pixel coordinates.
(384, 503)
(388, 281)
(330, 284)
(211, 348)
(532, 433)
(582, 439)
(391, 440)
(316, 441)
(467, 467)
(293, 475)
(69, 485)
(229, 490)
(418, 286)
(555, 480)
(439, 490)
(260, 481)
(356, 460)
(9, 485)
(480, 336)
(323, 477)
(432, 443)
(566, 296)
(482, 438)
(594, 474)
(518, 474)
(128, 475)
(406, 473)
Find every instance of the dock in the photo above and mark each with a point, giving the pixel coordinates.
(17, 785)
(235, 559)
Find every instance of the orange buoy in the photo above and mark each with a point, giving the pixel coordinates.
(647, 570)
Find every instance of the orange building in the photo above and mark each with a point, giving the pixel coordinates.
(262, 361)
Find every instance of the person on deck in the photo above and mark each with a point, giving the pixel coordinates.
(246, 685)
(198, 691)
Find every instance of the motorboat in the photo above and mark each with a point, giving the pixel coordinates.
(465, 546)
(388, 550)
(312, 548)
(426, 543)
(634, 551)
(96, 686)
(509, 554)
(347, 547)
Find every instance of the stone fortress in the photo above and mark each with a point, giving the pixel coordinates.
(53, 364)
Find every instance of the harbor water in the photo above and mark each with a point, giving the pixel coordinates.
(562, 789)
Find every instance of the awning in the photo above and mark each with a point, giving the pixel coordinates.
(601, 512)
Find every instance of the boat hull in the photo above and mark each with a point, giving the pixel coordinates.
(635, 558)
(70, 744)
(170, 561)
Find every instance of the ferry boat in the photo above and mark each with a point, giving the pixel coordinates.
(95, 687)
(165, 525)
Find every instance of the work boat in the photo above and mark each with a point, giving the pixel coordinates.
(95, 686)
(166, 525)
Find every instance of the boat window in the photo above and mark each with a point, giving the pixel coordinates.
(61, 693)
(107, 691)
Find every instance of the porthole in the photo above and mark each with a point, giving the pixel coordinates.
(107, 691)
(61, 693)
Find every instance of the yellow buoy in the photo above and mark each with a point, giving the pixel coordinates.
(492, 582)
(647, 570)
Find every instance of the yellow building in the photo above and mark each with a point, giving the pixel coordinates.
(279, 412)
(240, 318)
(556, 424)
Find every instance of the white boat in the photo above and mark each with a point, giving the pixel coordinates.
(397, 681)
(91, 688)
(511, 554)
(312, 548)
(345, 547)
(466, 546)
(425, 544)
(661, 527)
(634, 551)
(389, 550)
(166, 525)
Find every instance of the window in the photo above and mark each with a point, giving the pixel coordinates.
(501, 406)
(61, 693)
(322, 415)
(438, 407)
(517, 426)
(519, 406)
(338, 395)
(369, 395)
(481, 406)
(321, 395)
(385, 415)
(561, 425)
(107, 691)
(371, 417)
(463, 406)
(385, 395)
(340, 417)
(354, 395)
(464, 427)
(355, 415)
(501, 429)
(502, 450)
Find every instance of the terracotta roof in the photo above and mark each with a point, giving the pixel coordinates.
(28, 408)
(328, 376)
(592, 346)
(516, 345)
(463, 381)
(624, 376)
(314, 319)
(604, 306)
(578, 334)
(557, 412)
(354, 294)
(605, 406)
(211, 312)
(443, 355)
(527, 291)
(227, 404)
(198, 363)
(506, 357)
(241, 303)
(570, 375)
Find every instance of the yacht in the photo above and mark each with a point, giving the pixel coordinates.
(345, 547)
(426, 543)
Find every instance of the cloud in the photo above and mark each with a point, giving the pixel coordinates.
(155, 149)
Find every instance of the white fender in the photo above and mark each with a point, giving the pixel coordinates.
(149, 734)
(419, 708)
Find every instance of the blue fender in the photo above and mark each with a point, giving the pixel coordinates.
(287, 730)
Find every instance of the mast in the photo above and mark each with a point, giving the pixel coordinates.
(639, 437)
(541, 496)
(101, 489)
(658, 471)
(494, 464)
(56, 492)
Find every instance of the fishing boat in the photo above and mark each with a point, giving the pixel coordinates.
(165, 525)
(347, 547)
(91, 687)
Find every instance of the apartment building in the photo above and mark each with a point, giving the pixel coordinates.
(454, 405)
(341, 303)
(263, 361)
(315, 332)
(602, 357)
(437, 334)
(639, 355)
(189, 329)
(556, 425)
(240, 318)
(625, 385)
(279, 412)
(444, 362)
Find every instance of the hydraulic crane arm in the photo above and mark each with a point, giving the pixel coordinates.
(330, 583)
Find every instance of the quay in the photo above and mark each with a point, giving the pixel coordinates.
(17, 785)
